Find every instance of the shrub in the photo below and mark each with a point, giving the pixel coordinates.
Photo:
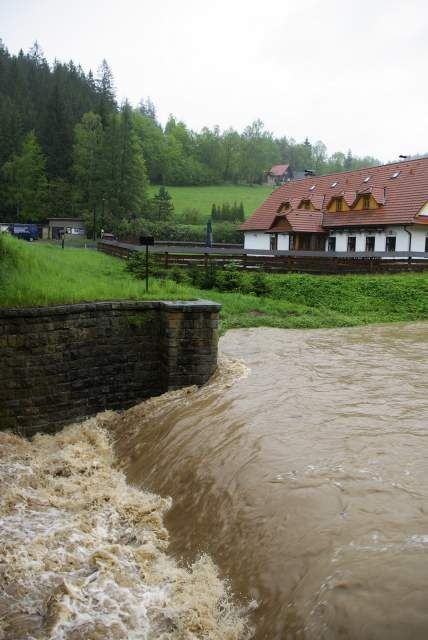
(194, 275)
(229, 279)
(208, 278)
(260, 285)
(178, 274)
(191, 215)
(136, 264)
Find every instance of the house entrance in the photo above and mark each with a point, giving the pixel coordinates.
(307, 242)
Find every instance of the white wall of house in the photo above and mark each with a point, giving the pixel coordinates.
(256, 240)
(402, 239)
(283, 242)
(418, 238)
(261, 240)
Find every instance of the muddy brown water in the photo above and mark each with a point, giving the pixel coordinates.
(306, 478)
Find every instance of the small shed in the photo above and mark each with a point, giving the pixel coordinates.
(60, 226)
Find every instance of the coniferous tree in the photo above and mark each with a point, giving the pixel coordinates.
(57, 135)
(106, 92)
(26, 183)
(348, 161)
(88, 162)
(162, 205)
(241, 212)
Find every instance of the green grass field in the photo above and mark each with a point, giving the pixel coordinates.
(202, 198)
(41, 274)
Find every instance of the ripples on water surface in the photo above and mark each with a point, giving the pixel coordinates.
(305, 478)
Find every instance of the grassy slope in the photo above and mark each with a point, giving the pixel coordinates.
(202, 198)
(35, 274)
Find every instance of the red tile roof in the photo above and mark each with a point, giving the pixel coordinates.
(400, 198)
(281, 223)
(278, 170)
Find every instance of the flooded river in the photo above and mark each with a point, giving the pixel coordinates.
(303, 472)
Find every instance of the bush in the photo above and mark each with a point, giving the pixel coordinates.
(192, 216)
(259, 285)
(136, 264)
(172, 231)
(229, 279)
(178, 274)
(209, 276)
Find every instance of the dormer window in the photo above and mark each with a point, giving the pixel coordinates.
(306, 204)
(339, 204)
(366, 201)
(284, 207)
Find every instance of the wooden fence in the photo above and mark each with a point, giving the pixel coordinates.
(290, 263)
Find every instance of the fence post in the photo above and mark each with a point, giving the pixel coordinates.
(166, 260)
(205, 260)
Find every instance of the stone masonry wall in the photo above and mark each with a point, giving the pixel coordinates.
(61, 364)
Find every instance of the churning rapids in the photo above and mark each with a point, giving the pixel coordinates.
(300, 469)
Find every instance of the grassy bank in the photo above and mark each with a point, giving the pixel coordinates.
(202, 198)
(37, 275)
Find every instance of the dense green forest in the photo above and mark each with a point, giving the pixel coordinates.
(67, 147)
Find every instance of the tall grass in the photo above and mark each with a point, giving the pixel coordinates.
(38, 275)
(202, 198)
(43, 274)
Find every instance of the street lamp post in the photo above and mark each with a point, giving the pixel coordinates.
(103, 210)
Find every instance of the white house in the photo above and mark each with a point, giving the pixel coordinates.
(383, 208)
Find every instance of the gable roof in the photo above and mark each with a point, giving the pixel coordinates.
(400, 198)
(278, 170)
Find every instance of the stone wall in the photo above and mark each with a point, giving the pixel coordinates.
(64, 363)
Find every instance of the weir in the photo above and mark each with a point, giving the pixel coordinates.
(64, 363)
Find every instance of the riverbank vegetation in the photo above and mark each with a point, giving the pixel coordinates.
(39, 274)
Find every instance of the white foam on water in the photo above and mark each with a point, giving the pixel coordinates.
(83, 554)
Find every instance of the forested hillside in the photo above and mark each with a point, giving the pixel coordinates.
(67, 147)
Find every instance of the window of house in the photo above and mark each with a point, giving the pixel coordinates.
(426, 244)
(351, 243)
(366, 201)
(390, 244)
(339, 204)
(370, 243)
(306, 204)
(331, 244)
(273, 242)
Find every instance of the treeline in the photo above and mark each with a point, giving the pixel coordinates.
(228, 212)
(67, 147)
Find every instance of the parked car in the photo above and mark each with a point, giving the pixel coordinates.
(108, 236)
(29, 232)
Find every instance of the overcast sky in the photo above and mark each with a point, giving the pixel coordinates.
(352, 74)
